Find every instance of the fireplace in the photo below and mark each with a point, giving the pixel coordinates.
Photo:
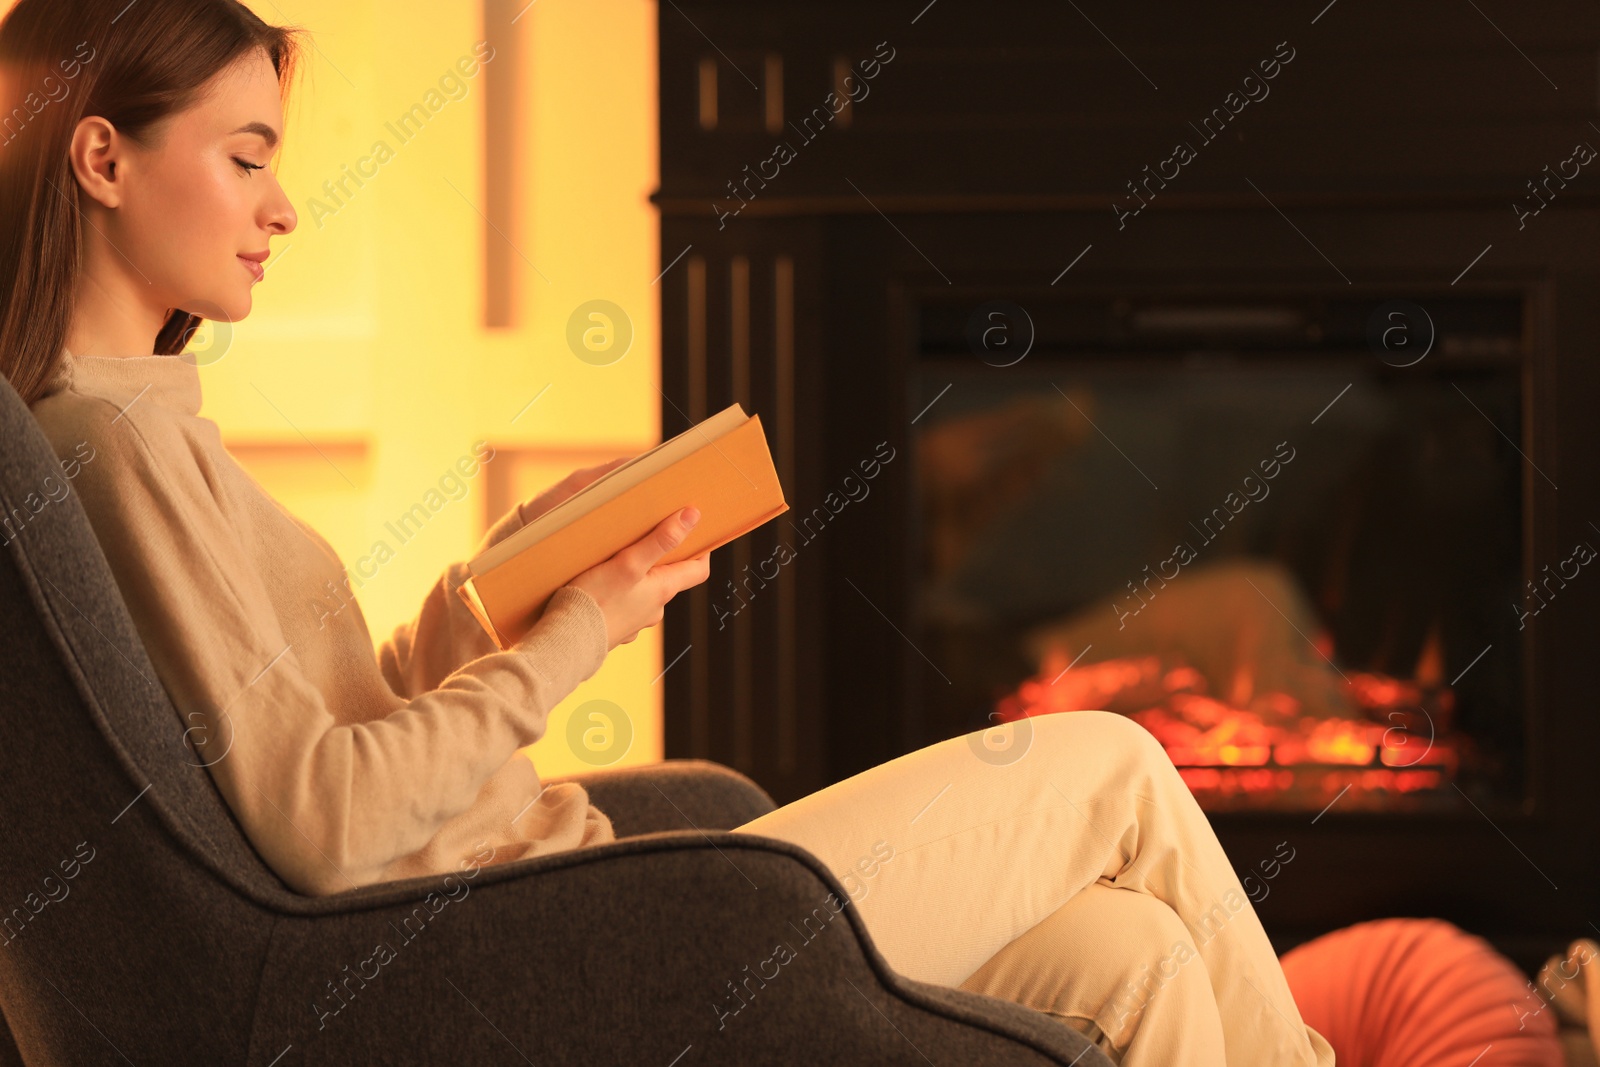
(1294, 464)
(1282, 531)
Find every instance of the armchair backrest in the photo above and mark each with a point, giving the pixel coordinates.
(119, 850)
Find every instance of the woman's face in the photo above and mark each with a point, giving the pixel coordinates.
(187, 208)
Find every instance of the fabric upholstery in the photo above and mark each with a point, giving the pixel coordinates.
(675, 795)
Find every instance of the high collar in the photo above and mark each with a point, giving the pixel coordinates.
(172, 382)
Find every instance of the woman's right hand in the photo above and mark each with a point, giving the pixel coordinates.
(632, 589)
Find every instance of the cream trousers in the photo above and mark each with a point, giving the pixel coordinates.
(1060, 862)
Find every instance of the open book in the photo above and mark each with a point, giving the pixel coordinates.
(720, 465)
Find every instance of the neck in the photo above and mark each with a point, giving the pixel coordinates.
(112, 315)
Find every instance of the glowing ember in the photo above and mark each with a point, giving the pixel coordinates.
(1269, 754)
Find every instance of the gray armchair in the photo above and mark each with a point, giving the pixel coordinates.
(137, 924)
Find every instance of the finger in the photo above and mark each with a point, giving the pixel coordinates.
(586, 473)
(667, 535)
(676, 577)
(586, 476)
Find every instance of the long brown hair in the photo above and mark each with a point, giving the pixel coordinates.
(131, 63)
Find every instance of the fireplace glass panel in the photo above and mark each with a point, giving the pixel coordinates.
(1298, 564)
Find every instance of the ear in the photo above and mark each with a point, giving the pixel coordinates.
(94, 153)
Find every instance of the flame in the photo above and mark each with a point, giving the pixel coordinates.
(1225, 752)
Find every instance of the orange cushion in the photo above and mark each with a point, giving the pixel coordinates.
(1419, 993)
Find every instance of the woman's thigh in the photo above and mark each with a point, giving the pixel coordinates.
(953, 850)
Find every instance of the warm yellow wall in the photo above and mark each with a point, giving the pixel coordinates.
(364, 371)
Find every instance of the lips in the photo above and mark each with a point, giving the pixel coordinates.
(256, 270)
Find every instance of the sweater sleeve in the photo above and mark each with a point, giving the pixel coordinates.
(327, 800)
(425, 649)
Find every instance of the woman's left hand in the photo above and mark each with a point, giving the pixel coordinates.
(566, 488)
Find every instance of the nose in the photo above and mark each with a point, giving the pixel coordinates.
(278, 214)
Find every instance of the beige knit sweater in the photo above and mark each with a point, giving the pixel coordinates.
(345, 765)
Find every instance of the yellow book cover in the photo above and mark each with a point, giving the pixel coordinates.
(721, 465)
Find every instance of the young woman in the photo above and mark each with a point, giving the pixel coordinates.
(1060, 863)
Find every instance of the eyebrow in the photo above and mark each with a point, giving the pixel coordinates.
(267, 133)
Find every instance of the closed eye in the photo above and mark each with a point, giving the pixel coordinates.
(248, 166)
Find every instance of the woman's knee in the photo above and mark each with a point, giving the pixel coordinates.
(1111, 737)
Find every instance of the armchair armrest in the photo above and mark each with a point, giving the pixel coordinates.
(678, 947)
(677, 794)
